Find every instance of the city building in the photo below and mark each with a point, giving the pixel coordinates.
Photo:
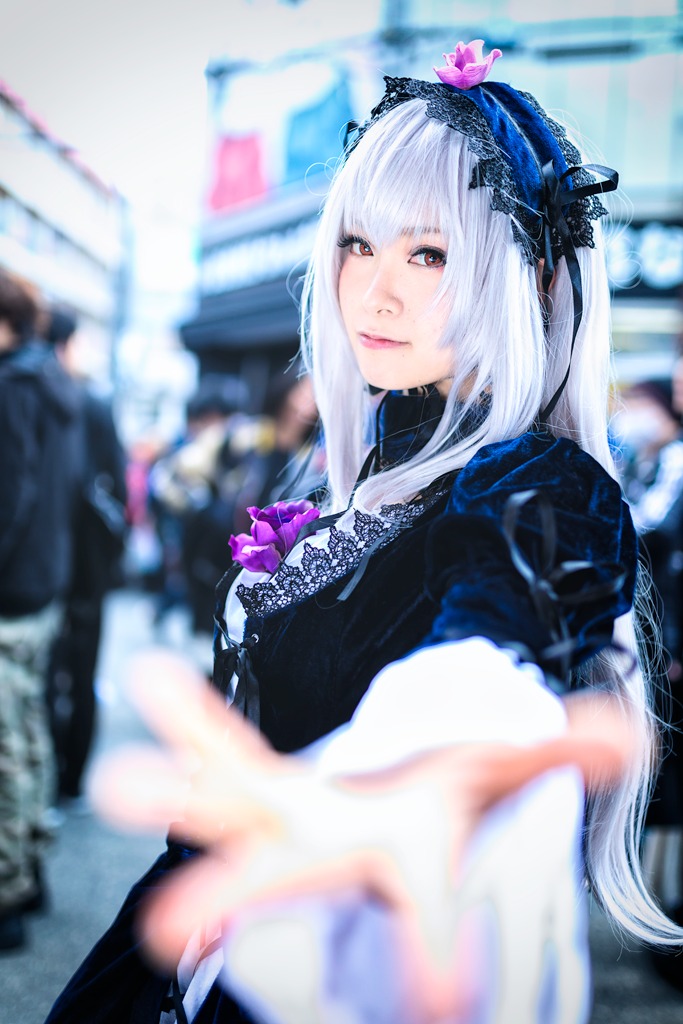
(62, 229)
(276, 130)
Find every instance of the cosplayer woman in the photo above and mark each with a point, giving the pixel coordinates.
(416, 638)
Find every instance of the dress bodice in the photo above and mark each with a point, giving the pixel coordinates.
(457, 570)
(315, 658)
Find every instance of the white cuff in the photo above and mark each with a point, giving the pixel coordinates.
(465, 691)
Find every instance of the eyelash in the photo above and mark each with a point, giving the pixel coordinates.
(346, 241)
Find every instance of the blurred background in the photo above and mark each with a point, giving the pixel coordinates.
(162, 165)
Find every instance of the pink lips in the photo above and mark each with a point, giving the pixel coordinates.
(377, 342)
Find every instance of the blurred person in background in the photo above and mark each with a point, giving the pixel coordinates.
(101, 531)
(281, 448)
(647, 428)
(369, 848)
(228, 462)
(195, 486)
(40, 481)
(143, 557)
(677, 378)
(252, 461)
(165, 500)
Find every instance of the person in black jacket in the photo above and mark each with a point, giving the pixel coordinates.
(101, 528)
(39, 482)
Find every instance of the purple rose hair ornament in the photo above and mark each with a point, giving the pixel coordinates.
(273, 532)
(467, 67)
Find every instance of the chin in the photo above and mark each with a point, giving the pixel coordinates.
(389, 383)
(386, 379)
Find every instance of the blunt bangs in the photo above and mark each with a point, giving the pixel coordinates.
(402, 177)
(411, 173)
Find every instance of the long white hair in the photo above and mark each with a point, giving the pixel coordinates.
(406, 172)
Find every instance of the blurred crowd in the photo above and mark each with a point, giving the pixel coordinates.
(648, 438)
(62, 530)
(80, 516)
(188, 497)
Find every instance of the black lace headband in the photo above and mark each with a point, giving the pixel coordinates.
(524, 158)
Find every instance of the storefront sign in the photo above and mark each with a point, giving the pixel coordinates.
(646, 259)
(252, 260)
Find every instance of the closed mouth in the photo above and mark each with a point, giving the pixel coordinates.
(378, 341)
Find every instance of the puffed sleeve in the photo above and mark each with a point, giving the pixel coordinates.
(536, 551)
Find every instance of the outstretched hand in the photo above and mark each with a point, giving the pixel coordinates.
(271, 828)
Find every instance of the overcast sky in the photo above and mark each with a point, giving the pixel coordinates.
(123, 81)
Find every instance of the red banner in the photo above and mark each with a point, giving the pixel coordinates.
(238, 172)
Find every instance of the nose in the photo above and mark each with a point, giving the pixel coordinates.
(383, 292)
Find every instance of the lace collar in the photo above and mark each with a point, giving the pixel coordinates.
(342, 552)
(405, 422)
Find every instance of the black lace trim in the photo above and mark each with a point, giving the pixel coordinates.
(461, 114)
(582, 211)
(291, 584)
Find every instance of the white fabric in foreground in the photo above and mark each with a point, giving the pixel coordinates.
(467, 691)
(520, 901)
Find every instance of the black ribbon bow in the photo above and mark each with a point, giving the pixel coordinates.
(553, 586)
(555, 199)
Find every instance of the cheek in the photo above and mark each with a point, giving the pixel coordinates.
(435, 318)
(346, 290)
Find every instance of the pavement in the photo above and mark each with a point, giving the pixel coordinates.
(92, 868)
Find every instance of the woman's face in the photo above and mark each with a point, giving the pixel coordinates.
(386, 296)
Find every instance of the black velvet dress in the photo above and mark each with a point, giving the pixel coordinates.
(530, 545)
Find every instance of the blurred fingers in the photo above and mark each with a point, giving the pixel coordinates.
(186, 713)
(138, 788)
(212, 889)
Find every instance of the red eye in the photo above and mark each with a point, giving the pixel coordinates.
(433, 259)
(361, 248)
(429, 258)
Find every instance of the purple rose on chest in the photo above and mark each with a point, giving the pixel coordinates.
(273, 532)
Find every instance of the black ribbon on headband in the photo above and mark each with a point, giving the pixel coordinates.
(351, 129)
(555, 198)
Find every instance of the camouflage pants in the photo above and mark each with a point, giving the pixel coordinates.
(26, 758)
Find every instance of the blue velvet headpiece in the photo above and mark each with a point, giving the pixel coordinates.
(524, 157)
(532, 170)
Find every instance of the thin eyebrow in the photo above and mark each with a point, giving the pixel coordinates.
(425, 238)
(406, 232)
(421, 231)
